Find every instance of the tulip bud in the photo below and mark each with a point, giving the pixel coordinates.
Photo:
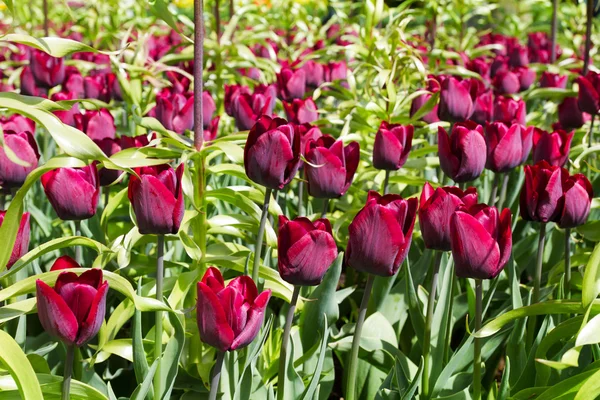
(483, 108)
(73, 192)
(272, 152)
(336, 71)
(67, 117)
(47, 71)
(301, 111)
(23, 145)
(73, 82)
(481, 241)
(518, 56)
(28, 85)
(480, 66)
(507, 147)
(392, 145)
(578, 194)
(331, 166)
(291, 84)
(569, 114)
(551, 80)
(231, 92)
(381, 233)
(229, 317)
(246, 108)
(17, 123)
(109, 146)
(21, 245)
(589, 93)
(314, 72)
(96, 88)
(211, 132)
(526, 77)
(305, 250)
(463, 154)
(64, 262)
(156, 196)
(73, 311)
(552, 147)
(506, 82)
(509, 111)
(179, 82)
(419, 101)
(114, 87)
(456, 103)
(175, 111)
(542, 192)
(436, 209)
(97, 125)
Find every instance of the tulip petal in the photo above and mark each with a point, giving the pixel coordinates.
(246, 286)
(256, 315)
(213, 279)
(267, 159)
(509, 150)
(448, 161)
(504, 237)
(307, 260)
(55, 315)
(91, 325)
(212, 320)
(153, 204)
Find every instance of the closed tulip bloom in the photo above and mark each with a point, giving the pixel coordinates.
(507, 82)
(551, 80)
(392, 145)
(208, 109)
(28, 85)
(47, 71)
(73, 192)
(68, 116)
(96, 87)
(381, 233)
(331, 166)
(308, 133)
(463, 154)
(229, 317)
(21, 245)
(175, 111)
(589, 93)
(419, 101)
(114, 87)
(542, 192)
(552, 147)
(336, 71)
(314, 72)
(518, 56)
(436, 209)
(526, 77)
(17, 123)
(73, 82)
(305, 250)
(509, 110)
(480, 66)
(231, 92)
(569, 114)
(272, 152)
(456, 103)
(301, 111)
(109, 147)
(481, 241)
(212, 131)
(246, 108)
(483, 108)
(127, 142)
(507, 146)
(156, 196)
(64, 262)
(23, 145)
(291, 84)
(73, 311)
(578, 194)
(179, 82)
(97, 125)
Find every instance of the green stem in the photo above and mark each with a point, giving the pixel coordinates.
(216, 376)
(198, 72)
(217, 21)
(325, 208)
(568, 263)
(428, 321)
(531, 323)
(353, 363)
(301, 212)
(494, 189)
(78, 249)
(158, 328)
(261, 234)
(66, 385)
(503, 191)
(477, 341)
(553, 31)
(199, 225)
(46, 29)
(284, 344)
(588, 37)
(386, 182)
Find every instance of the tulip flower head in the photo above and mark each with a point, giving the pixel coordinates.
(463, 154)
(64, 262)
(509, 110)
(577, 200)
(552, 147)
(73, 311)
(589, 93)
(23, 145)
(418, 102)
(507, 146)
(569, 114)
(47, 71)
(301, 111)
(551, 80)
(481, 241)
(21, 245)
(541, 196)
(392, 145)
(291, 84)
(97, 125)
(381, 233)
(456, 102)
(229, 317)
(175, 111)
(305, 250)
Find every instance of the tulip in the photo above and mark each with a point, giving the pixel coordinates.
(47, 71)
(509, 111)
(483, 108)
(246, 108)
(64, 262)
(73, 82)
(73, 311)
(551, 80)
(336, 71)
(436, 209)
(542, 192)
(175, 111)
(481, 241)
(28, 85)
(17, 123)
(456, 103)
(114, 87)
(179, 82)
(419, 101)
(569, 114)
(127, 142)
(109, 146)
(231, 92)
(507, 82)
(305, 250)
(291, 84)
(577, 200)
(97, 125)
(68, 116)
(392, 145)
(518, 56)
(208, 109)
(589, 93)
(498, 65)
(21, 245)
(480, 66)
(301, 111)
(526, 77)
(552, 147)
(462, 155)
(507, 147)
(331, 166)
(229, 317)
(381, 233)
(212, 131)
(23, 146)
(314, 72)
(272, 152)
(96, 87)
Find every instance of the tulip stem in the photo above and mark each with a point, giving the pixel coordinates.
(198, 71)
(553, 31)
(285, 339)
(66, 386)
(588, 37)
(301, 194)
(503, 191)
(216, 376)
(46, 30)
(591, 134)
(428, 322)
(353, 363)
(217, 21)
(477, 341)
(325, 208)
(386, 182)
(231, 9)
(494, 189)
(106, 196)
(78, 249)
(158, 329)
(261, 234)
(531, 323)
(567, 263)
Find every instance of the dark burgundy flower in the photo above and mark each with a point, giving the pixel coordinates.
(21, 245)
(518, 56)
(589, 93)
(28, 85)
(551, 80)
(526, 77)
(507, 146)
(175, 111)
(509, 110)
(336, 71)
(96, 124)
(17, 123)
(211, 133)
(64, 262)
(541, 196)
(73, 192)
(246, 108)
(314, 72)
(507, 82)
(127, 142)
(73, 82)
(577, 200)
(463, 154)
(552, 147)
(433, 86)
(392, 145)
(179, 82)
(231, 92)
(96, 87)
(301, 111)
(483, 108)
(569, 114)
(68, 116)
(481, 66)
(456, 103)
(109, 146)
(291, 84)
(23, 145)
(47, 71)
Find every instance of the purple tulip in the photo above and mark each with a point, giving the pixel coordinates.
(73, 82)
(17, 123)
(68, 116)
(47, 71)
(381, 233)
(28, 85)
(336, 71)
(577, 200)
(518, 56)
(291, 84)
(456, 103)
(109, 146)
(507, 147)
(507, 82)
(96, 87)
(314, 72)
(246, 108)
(569, 114)
(483, 108)
(509, 111)
(301, 111)
(97, 125)
(589, 93)
(175, 111)
(23, 145)
(392, 145)
(552, 147)
(551, 80)
(463, 154)
(21, 245)
(418, 102)
(542, 192)
(526, 77)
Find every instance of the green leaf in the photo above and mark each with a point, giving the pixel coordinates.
(557, 94)
(20, 369)
(409, 393)
(590, 389)
(143, 389)
(427, 107)
(15, 310)
(170, 357)
(140, 363)
(55, 46)
(314, 381)
(569, 385)
(504, 391)
(591, 278)
(161, 10)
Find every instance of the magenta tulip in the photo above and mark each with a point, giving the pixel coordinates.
(314, 72)
(73, 82)
(507, 147)
(47, 71)
(542, 192)
(175, 111)
(431, 117)
(589, 93)
(21, 245)
(552, 147)
(577, 200)
(23, 145)
(551, 80)
(569, 114)
(301, 111)
(509, 111)
(392, 145)
(109, 146)
(97, 125)
(291, 84)
(67, 116)
(17, 123)
(64, 262)
(506, 82)
(456, 103)
(463, 154)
